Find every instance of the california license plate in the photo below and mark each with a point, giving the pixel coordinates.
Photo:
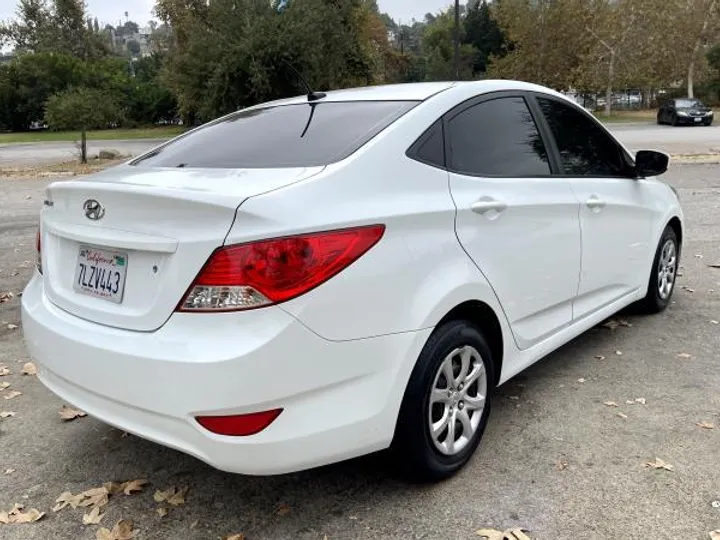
(101, 273)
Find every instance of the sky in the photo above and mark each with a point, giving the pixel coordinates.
(140, 11)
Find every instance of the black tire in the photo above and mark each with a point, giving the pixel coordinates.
(415, 455)
(654, 302)
(674, 120)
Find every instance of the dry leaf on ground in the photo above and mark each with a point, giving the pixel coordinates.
(9, 471)
(123, 530)
(93, 517)
(7, 414)
(66, 499)
(12, 326)
(510, 534)
(705, 425)
(12, 394)
(283, 509)
(68, 413)
(131, 486)
(4, 385)
(610, 404)
(113, 488)
(715, 504)
(95, 497)
(16, 515)
(658, 464)
(715, 535)
(29, 369)
(173, 495)
(194, 524)
(162, 511)
(6, 296)
(641, 400)
(561, 465)
(622, 415)
(239, 536)
(4, 371)
(684, 355)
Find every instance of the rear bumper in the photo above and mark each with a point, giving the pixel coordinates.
(340, 399)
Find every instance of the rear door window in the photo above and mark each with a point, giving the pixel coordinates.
(301, 135)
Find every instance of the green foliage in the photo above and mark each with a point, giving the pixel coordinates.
(81, 109)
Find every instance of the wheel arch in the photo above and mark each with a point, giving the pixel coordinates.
(676, 225)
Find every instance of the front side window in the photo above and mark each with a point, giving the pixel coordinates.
(497, 138)
(585, 149)
(302, 135)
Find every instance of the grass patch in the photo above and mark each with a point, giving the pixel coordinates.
(67, 168)
(164, 132)
(627, 116)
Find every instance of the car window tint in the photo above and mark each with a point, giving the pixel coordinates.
(300, 135)
(585, 149)
(497, 138)
(430, 147)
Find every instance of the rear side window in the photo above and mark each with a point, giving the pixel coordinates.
(585, 149)
(430, 147)
(302, 135)
(497, 138)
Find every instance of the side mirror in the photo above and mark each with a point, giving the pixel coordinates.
(651, 163)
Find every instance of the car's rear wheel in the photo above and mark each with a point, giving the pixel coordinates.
(446, 404)
(663, 274)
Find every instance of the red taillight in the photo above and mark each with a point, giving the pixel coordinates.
(38, 246)
(257, 274)
(239, 425)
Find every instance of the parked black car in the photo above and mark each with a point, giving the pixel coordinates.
(684, 111)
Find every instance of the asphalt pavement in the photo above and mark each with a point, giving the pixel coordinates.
(555, 460)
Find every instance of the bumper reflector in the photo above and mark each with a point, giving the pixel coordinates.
(240, 425)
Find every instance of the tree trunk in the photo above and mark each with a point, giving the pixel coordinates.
(83, 147)
(690, 76)
(608, 90)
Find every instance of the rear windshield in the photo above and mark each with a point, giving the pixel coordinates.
(302, 135)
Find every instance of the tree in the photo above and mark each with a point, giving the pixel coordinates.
(437, 45)
(483, 32)
(81, 109)
(133, 47)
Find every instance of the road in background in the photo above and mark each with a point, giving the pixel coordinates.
(674, 140)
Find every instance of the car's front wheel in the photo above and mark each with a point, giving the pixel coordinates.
(446, 404)
(663, 274)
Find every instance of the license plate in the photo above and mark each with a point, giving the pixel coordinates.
(698, 119)
(101, 273)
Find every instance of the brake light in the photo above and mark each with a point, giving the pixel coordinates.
(38, 247)
(257, 274)
(240, 425)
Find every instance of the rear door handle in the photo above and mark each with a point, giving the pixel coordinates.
(595, 203)
(487, 204)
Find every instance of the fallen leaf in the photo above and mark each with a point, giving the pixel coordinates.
(12, 394)
(162, 511)
(95, 497)
(658, 464)
(581, 380)
(133, 485)
(123, 530)
(510, 534)
(7, 414)
(239, 536)
(610, 404)
(29, 369)
(16, 515)
(629, 402)
(715, 504)
(9, 471)
(6, 296)
(619, 353)
(172, 495)
(113, 488)
(561, 465)
(66, 499)
(612, 324)
(12, 326)
(715, 535)
(622, 415)
(705, 425)
(4, 371)
(640, 400)
(599, 357)
(283, 509)
(93, 517)
(684, 355)
(194, 524)
(68, 413)
(4, 385)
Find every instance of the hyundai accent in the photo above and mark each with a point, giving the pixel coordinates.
(317, 278)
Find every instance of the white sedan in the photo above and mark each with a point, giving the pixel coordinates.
(322, 277)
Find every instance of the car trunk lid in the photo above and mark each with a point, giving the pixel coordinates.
(157, 229)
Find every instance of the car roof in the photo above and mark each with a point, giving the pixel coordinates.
(411, 91)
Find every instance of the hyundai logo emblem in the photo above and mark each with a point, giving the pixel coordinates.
(93, 209)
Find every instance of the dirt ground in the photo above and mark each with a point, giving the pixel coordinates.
(555, 459)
